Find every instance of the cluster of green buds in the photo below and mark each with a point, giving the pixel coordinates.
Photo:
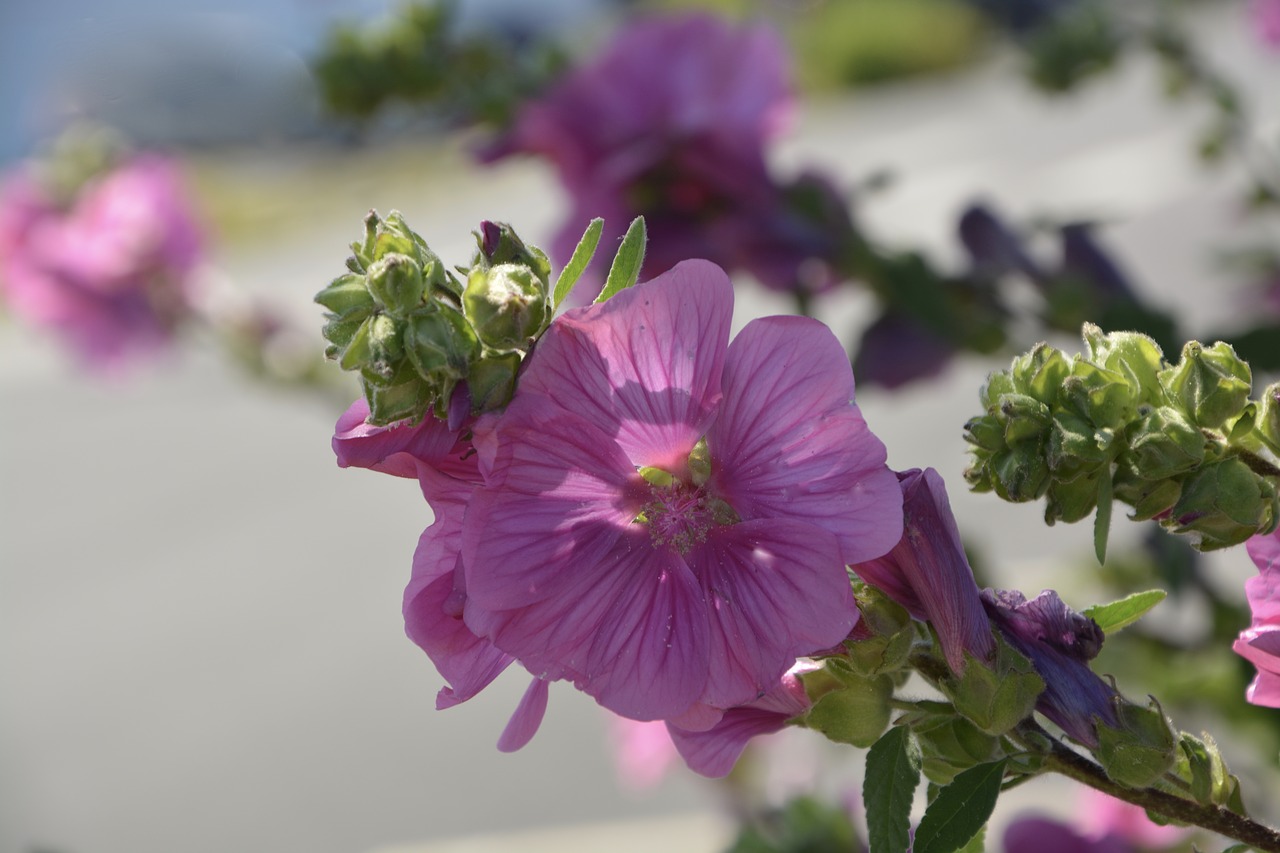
(1181, 444)
(416, 334)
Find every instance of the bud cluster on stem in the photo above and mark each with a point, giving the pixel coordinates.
(1179, 444)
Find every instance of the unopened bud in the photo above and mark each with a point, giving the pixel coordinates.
(1140, 748)
(995, 697)
(1210, 384)
(440, 343)
(1224, 504)
(951, 745)
(855, 712)
(492, 381)
(396, 281)
(1165, 443)
(507, 304)
(499, 244)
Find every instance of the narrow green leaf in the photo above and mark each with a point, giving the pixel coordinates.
(626, 264)
(577, 265)
(960, 810)
(1124, 612)
(1102, 521)
(893, 773)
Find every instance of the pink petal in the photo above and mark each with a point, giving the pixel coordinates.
(715, 751)
(643, 367)
(630, 630)
(563, 495)
(524, 723)
(776, 590)
(789, 442)
(433, 606)
(400, 448)
(1263, 592)
(1265, 690)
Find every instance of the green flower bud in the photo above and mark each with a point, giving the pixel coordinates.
(1149, 498)
(1267, 423)
(1020, 474)
(1102, 397)
(1071, 501)
(1223, 504)
(385, 348)
(404, 395)
(995, 697)
(985, 432)
(883, 637)
(348, 297)
(499, 244)
(1025, 418)
(1210, 384)
(1076, 447)
(507, 304)
(1132, 355)
(997, 385)
(1040, 373)
(856, 713)
(1141, 748)
(951, 745)
(440, 343)
(1165, 443)
(396, 281)
(492, 381)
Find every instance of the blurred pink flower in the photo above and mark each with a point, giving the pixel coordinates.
(1260, 643)
(1103, 815)
(675, 600)
(642, 751)
(1265, 15)
(670, 122)
(112, 273)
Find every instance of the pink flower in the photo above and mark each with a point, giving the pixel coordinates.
(605, 550)
(642, 751)
(671, 122)
(1102, 815)
(111, 274)
(928, 573)
(714, 752)
(1260, 643)
(1265, 15)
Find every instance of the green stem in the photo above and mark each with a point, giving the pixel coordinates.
(1071, 764)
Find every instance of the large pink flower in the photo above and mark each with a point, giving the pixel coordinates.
(1260, 643)
(112, 273)
(678, 594)
(670, 122)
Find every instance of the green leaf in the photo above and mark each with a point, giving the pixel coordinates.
(1102, 521)
(977, 844)
(577, 265)
(626, 264)
(960, 810)
(893, 773)
(1120, 614)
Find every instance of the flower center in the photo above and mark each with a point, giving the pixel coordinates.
(679, 514)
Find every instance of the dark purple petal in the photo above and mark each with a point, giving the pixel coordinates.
(789, 442)
(927, 571)
(1046, 835)
(896, 350)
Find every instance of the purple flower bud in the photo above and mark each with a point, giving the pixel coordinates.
(927, 572)
(1060, 643)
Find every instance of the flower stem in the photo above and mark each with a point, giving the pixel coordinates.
(1071, 764)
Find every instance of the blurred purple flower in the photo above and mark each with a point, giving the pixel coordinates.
(928, 574)
(897, 350)
(1037, 834)
(1260, 643)
(675, 600)
(713, 752)
(112, 273)
(1265, 15)
(1060, 643)
(670, 122)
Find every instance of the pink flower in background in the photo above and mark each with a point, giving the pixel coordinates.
(642, 751)
(671, 122)
(112, 273)
(1102, 815)
(1260, 643)
(1265, 15)
(674, 595)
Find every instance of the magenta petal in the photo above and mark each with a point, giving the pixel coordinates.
(789, 441)
(714, 752)
(1263, 592)
(631, 631)
(433, 607)
(524, 723)
(776, 590)
(643, 367)
(399, 448)
(1265, 690)
(564, 496)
